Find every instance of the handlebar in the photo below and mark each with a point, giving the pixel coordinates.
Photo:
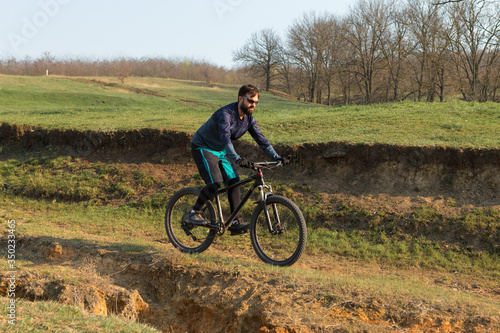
(266, 164)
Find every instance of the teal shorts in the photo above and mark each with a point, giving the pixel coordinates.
(214, 166)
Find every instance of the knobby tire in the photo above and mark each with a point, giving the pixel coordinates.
(195, 239)
(286, 246)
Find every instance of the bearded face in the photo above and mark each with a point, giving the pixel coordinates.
(248, 104)
(248, 110)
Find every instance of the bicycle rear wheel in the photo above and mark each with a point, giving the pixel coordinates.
(188, 238)
(284, 243)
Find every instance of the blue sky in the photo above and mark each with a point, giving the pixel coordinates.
(205, 29)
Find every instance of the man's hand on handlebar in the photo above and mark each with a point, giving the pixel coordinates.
(284, 160)
(244, 163)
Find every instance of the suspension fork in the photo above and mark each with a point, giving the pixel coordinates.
(264, 196)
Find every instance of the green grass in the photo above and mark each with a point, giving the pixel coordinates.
(137, 229)
(56, 102)
(455, 124)
(78, 202)
(138, 232)
(71, 180)
(64, 194)
(403, 251)
(39, 317)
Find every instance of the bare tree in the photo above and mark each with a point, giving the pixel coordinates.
(397, 46)
(44, 63)
(332, 44)
(285, 71)
(186, 69)
(366, 26)
(123, 68)
(474, 45)
(305, 47)
(261, 53)
(423, 21)
(444, 2)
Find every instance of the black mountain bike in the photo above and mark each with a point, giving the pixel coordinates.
(278, 230)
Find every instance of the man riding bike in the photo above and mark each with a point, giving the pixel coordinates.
(216, 159)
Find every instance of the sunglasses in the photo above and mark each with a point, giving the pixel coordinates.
(250, 100)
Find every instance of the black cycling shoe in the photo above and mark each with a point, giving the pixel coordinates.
(195, 218)
(238, 228)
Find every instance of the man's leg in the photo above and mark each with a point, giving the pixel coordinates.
(230, 173)
(234, 195)
(207, 193)
(230, 177)
(208, 166)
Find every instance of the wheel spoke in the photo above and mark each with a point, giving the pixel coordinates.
(187, 238)
(285, 242)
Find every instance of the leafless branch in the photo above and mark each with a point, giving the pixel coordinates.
(444, 2)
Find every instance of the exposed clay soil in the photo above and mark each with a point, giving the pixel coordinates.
(164, 293)
(471, 177)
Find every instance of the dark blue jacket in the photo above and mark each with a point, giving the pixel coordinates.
(225, 126)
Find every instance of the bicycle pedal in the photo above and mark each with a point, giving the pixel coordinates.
(215, 227)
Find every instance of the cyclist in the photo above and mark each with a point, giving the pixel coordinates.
(216, 159)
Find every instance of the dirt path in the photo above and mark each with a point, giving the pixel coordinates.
(165, 292)
(162, 292)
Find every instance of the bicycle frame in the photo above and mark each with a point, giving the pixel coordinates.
(258, 179)
(277, 228)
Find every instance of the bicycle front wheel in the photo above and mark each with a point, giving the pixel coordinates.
(188, 238)
(278, 231)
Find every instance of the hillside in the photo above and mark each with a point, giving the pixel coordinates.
(370, 188)
(402, 204)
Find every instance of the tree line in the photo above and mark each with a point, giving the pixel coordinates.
(379, 51)
(383, 51)
(174, 68)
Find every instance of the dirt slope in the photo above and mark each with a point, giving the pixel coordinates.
(469, 176)
(176, 298)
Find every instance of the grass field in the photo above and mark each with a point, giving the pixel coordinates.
(81, 204)
(427, 263)
(39, 317)
(63, 191)
(58, 102)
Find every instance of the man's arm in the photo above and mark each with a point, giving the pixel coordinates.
(231, 153)
(261, 140)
